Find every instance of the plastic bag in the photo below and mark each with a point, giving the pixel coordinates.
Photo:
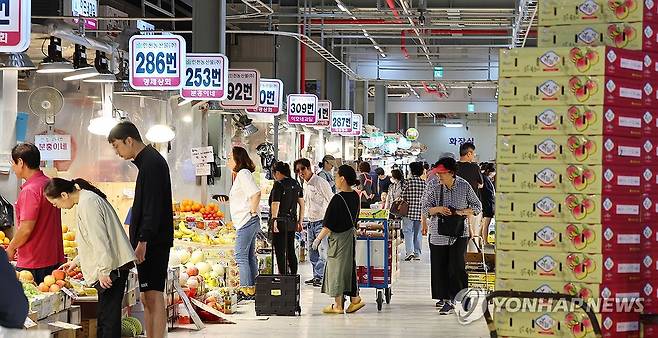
(6, 213)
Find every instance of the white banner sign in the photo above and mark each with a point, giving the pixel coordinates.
(302, 108)
(14, 25)
(54, 147)
(270, 97)
(243, 88)
(203, 155)
(202, 169)
(341, 121)
(206, 76)
(86, 9)
(157, 62)
(324, 112)
(357, 125)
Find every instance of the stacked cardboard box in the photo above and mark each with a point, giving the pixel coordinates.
(576, 175)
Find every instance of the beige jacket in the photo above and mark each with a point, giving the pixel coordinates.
(103, 245)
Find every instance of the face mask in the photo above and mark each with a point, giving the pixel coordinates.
(393, 180)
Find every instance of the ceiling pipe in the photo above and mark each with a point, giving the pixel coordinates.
(391, 5)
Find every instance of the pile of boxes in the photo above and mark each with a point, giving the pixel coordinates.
(577, 167)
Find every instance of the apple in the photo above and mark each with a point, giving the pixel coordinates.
(578, 213)
(585, 293)
(570, 289)
(573, 260)
(631, 5)
(55, 288)
(572, 201)
(574, 113)
(59, 274)
(620, 41)
(588, 235)
(575, 54)
(590, 146)
(579, 271)
(572, 231)
(589, 265)
(588, 205)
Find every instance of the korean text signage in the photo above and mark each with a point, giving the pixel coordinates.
(302, 108)
(54, 147)
(14, 25)
(202, 157)
(157, 62)
(341, 121)
(87, 9)
(270, 98)
(357, 126)
(206, 76)
(324, 110)
(243, 88)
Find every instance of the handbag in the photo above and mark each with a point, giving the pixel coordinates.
(451, 226)
(400, 208)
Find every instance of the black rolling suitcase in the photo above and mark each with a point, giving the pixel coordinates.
(278, 294)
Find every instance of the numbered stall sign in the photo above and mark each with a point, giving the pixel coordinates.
(324, 110)
(54, 147)
(206, 76)
(357, 125)
(302, 108)
(341, 121)
(14, 26)
(270, 98)
(85, 9)
(243, 86)
(157, 62)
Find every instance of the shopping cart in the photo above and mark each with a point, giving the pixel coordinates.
(374, 254)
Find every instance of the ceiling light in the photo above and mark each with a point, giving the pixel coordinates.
(102, 66)
(160, 133)
(83, 69)
(187, 119)
(453, 125)
(382, 55)
(16, 61)
(343, 8)
(54, 63)
(102, 125)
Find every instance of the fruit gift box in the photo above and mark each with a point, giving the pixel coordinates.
(558, 61)
(569, 267)
(634, 35)
(566, 324)
(650, 122)
(567, 208)
(582, 290)
(651, 62)
(649, 240)
(649, 266)
(571, 119)
(569, 12)
(649, 212)
(575, 90)
(650, 152)
(549, 237)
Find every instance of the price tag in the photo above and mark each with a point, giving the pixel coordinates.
(270, 98)
(157, 62)
(206, 76)
(324, 110)
(302, 108)
(242, 88)
(341, 121)
(357, 125)
(202, 169)
(54, 147)
(203, 155)
(15, 26)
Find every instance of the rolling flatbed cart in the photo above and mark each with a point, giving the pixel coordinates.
(376, 254)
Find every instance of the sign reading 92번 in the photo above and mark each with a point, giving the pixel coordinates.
(324, 110)
(270, 98)
(243, 88)
(302, 108)
(206, 76)
(15, 25)
(341, 121)
(157, 62)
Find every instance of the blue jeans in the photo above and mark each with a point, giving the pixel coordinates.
(245, 252)
(317, 257)
(413, 236)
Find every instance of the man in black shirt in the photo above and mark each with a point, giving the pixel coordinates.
(468, 169)
(286, 195)
(151, 223)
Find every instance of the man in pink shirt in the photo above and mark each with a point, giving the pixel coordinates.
(38, 240)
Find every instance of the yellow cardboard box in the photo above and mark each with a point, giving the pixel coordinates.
(620, 35)
(582, 290)
(550, 208)
(549, 237)
(555, 266)
(549, 149)
(569, 12)
(554, 178)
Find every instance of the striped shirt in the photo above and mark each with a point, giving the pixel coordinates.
(460, 196)
(412, 192)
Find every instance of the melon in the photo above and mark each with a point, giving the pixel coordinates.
(174, 259)
(203, 267)
(184, 256)
(136, 324)
(219, 269)
(127, 329)
(192, 283)
(197, 256)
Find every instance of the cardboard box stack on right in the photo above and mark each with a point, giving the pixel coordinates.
(577, 155)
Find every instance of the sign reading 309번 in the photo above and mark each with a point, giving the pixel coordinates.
(302, 108)
(15, 25)
(206, 76)
(157, 62)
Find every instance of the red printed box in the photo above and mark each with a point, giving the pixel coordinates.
(650, 151)
(650, 209)
(560, 324)
(621, 208)
(650, 238)
(650, 122)
(621, 290)
(574, 90)
(650, 266)
(626, 180)
(650, 180)
(631, 35)
(649, 292)
(622, 237)
(568, 12)
(573, 61)
(569, 120)
(651, 63)
(622, 150)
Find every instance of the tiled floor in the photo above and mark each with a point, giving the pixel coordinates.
(411, 314)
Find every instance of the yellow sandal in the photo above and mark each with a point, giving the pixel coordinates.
(329, 309)
(355, 307)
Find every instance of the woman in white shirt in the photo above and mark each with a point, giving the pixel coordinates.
(244, 200)
(104, 252)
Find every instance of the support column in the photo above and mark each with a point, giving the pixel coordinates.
(333, 80)
(8, 112)
(381, 98)
(286, 53)
(413, 120)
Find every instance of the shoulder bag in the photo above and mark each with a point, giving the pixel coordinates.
(400, 208)
(451, 226)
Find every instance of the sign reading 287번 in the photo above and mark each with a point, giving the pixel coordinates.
(341, 121)
(206, 76)
(14, 25)
(157, 62)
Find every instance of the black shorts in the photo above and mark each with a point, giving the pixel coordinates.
(153, 272)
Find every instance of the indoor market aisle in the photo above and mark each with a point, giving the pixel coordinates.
(411, 313)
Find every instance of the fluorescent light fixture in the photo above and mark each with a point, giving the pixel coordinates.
(342, 7)
(103, 68)
(101, 78)
(54, 62)
(83, 69)
(16, 61)
(102, 125)
(160, 133)
(470, 107)
(453, 125)
(182, 101)
(82, 74)
(382, 55)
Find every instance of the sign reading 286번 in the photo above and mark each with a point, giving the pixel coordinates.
(157, 62)
(14, 25)
(206, 76)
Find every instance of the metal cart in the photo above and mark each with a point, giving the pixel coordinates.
(374, 257)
